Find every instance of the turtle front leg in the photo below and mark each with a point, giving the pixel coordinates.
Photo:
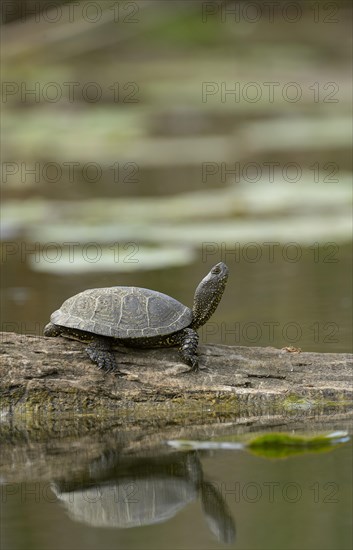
(100, 352)
(188, 342)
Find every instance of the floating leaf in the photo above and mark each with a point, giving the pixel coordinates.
(270, 445)
(281, 445)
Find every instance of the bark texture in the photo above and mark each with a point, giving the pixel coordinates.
(51, 375)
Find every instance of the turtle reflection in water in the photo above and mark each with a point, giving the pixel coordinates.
(143, 491)
(137, 317)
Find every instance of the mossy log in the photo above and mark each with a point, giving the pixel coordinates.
(54, 375)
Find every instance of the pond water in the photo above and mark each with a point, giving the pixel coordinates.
(55, 498)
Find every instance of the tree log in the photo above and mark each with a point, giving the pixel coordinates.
(54, 375)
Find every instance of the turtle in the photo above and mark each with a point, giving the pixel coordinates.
(120, 492)
(137, 317)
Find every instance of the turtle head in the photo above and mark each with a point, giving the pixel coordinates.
(208, 294)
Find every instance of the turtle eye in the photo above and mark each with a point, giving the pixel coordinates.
(216, 269)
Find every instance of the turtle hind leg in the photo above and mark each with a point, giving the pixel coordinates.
(52, 330)
(100, 352)
(188, 342)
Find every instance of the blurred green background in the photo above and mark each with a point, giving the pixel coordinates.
(143, 142)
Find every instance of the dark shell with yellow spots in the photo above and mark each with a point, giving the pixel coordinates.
(123, 312)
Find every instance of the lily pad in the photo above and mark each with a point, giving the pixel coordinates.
(118, 258)
(270, 445)
(282, 445)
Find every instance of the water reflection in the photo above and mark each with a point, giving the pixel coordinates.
(119, 485)
(137, 491)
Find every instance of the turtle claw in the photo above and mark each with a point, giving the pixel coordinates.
(190, 371)
(205, 369)
(99, 351)
(110, 369)
(119, 373)
(194, 368)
